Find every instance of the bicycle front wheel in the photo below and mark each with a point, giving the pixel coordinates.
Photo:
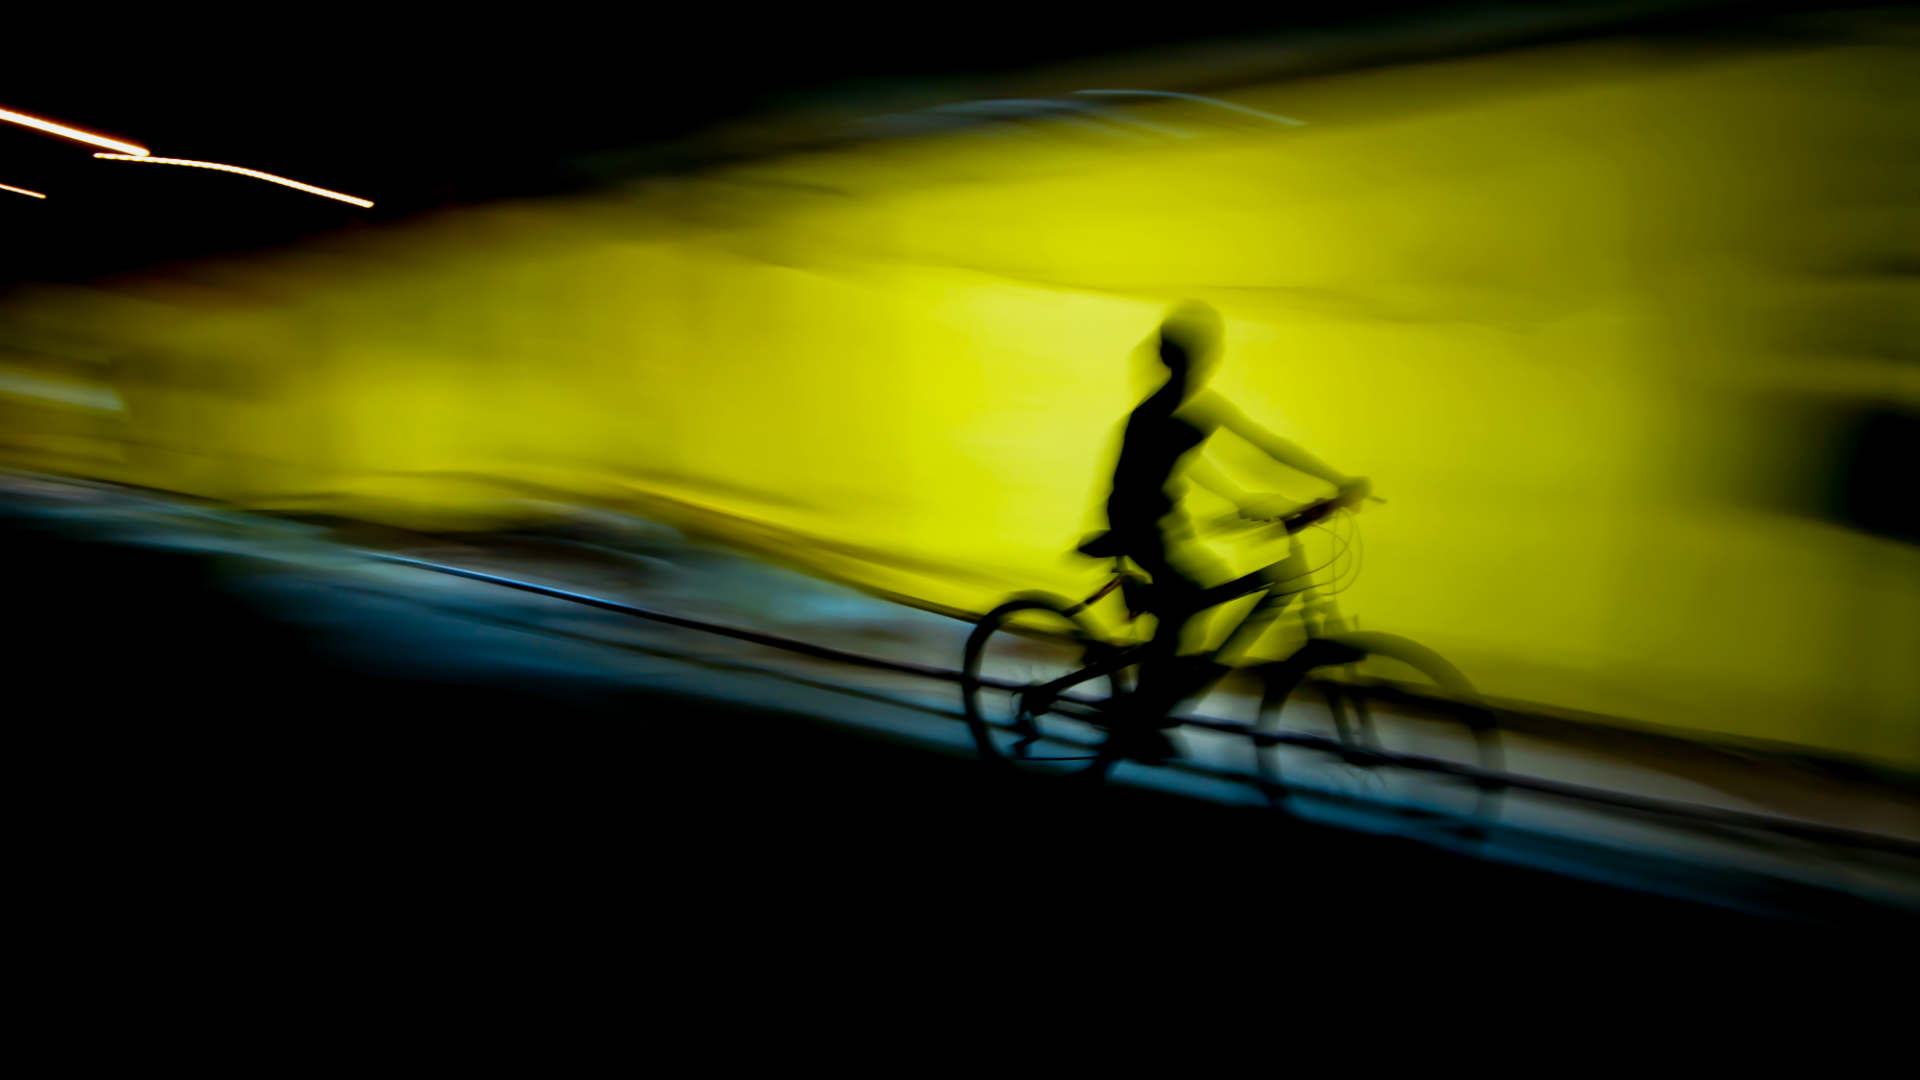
(1019, 713)
(1414, 737)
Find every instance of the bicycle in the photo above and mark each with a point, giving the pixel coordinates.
(1027, 660)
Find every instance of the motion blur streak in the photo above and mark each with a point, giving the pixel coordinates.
(21, 191)
(254, 173)
(1622, 336)
(65, 132)
(1241, 109)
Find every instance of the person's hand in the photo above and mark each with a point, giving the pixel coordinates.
(1354, 489)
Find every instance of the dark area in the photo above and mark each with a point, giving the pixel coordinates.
(1841, 459)
(198, 779)
(1873, 491)
(421, 109)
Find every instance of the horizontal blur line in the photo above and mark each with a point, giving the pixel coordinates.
(1216, 102)
(21, 191)
(65, 132)
(101, 398)
(769, 640)
(237, 170)
(1738, 819)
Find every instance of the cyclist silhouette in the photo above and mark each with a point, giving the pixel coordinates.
(1157, 450)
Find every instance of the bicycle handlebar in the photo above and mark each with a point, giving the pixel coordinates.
(1305, 517)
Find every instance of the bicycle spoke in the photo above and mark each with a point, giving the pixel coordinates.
(1016, 661)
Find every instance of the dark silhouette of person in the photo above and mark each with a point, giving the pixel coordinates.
(1157, 453)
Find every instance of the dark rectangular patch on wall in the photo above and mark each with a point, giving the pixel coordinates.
(1872, 485)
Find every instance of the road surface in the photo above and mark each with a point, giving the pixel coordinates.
(226, 702)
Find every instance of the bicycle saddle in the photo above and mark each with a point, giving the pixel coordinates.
(1101, 545)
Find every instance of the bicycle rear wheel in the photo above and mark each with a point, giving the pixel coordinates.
(1014, 652)
(1414, 737)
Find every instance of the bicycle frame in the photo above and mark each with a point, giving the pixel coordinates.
(1329, 643)
(1315, 653)
(1248, 630)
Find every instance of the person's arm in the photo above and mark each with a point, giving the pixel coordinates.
(1207, 475)
(1252, 507)
(1284, 451)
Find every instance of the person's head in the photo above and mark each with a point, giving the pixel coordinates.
(1190, 342)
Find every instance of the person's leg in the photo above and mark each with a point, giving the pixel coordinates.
(1180, 572)
(1172, 610)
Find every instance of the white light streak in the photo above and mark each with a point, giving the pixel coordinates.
(74, 133)
(254, 173)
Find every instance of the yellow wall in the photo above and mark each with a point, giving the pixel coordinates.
(1525, 294)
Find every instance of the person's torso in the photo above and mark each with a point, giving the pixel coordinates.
(1151, 448)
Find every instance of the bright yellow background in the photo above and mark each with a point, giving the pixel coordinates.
(1530, 295)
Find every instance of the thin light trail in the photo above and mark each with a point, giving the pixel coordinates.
(1215, 102)
(74, 133)
(237, 170)
(21, 191)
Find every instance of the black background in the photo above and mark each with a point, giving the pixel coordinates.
(415, 110)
